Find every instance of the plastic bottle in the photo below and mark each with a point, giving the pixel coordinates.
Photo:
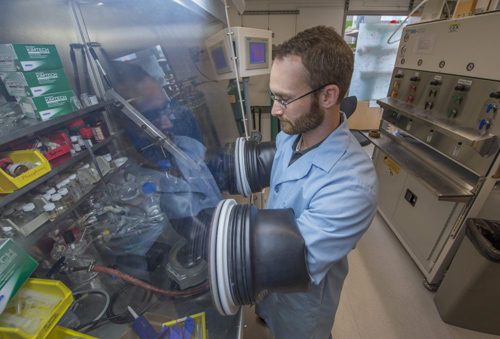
(151, 202)
(50, 209)
(171, 177)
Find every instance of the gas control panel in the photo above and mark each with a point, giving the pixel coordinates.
(472, 103)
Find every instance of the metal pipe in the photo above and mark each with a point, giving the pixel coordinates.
(235, 66)
(246, 91)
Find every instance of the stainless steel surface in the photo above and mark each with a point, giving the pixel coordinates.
(481, 142)
(409, 107)
(403, 151)
(424, 226)
(34, 126)
(7, 198)
(246, 91)
(457, 42)
(442, 109)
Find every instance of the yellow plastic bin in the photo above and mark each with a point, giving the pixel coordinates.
(53, 288)
(9, 184)
(61, 333)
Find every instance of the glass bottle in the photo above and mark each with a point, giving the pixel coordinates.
(14, 169)
(50, 209)
(75, 144)
(29, 213)
(73, 188)
(67, 199)
(18, 213)
(87, 135)
(6, 218)
(84, 184)
(56, 200)
(9, 232)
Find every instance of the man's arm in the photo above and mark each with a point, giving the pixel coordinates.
(337, 217)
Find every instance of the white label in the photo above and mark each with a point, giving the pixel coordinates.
(425, 43)
(417, 74)
(465, 82)
(437, 77)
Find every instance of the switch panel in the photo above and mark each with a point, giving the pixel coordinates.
(464, 106)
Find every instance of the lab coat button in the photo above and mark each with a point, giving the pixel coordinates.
(276, 189)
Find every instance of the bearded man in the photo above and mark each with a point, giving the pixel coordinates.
(321, 172)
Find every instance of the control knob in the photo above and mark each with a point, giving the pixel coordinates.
(461, 88)
(495, 95)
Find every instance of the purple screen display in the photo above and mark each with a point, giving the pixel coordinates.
(257, 52)
(219, 58)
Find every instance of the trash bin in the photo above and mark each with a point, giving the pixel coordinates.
(469, 295)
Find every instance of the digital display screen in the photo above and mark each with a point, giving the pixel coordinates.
(219, 58)
(257, 52)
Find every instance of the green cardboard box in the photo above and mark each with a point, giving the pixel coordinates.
(16, 267)
(28, 57)
(46, 107)
(34, 84)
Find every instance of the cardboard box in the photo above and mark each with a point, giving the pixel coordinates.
(28, 57)
(35, 84)
(46, 107)
(16, 267)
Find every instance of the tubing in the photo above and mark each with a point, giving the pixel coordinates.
(144, 285)
(97, 291)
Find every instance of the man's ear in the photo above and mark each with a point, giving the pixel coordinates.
(330, 96)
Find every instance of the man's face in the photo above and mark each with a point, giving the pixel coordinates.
(289, 80)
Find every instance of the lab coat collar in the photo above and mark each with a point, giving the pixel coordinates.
(325, 156)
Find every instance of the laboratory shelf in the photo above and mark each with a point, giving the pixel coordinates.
(7, 198)
(31, 239)
(37, 126)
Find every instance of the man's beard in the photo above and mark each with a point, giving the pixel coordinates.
(306, 122)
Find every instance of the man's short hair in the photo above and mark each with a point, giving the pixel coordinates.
(325, 55)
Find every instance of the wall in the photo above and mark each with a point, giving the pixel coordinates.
(312, 13)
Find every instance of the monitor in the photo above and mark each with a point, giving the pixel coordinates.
(257, 50)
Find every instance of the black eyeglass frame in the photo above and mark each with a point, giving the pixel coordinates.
(285, 104)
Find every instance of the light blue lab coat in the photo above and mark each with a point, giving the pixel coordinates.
(333, 192)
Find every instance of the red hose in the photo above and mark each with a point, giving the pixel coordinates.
(147, 286)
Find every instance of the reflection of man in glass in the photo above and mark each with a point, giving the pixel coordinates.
(145, 94)
(185, 193)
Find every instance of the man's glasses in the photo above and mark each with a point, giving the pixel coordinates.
(285, 104)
